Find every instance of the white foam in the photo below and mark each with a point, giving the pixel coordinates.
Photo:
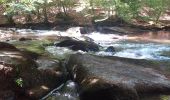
(99, 37)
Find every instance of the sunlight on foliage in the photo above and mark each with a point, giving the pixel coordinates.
(124, 9)
(19, 82)
(157, 8)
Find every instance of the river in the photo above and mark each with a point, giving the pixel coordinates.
(151, 46)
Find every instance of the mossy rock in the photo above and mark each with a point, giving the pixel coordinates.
(37, 46)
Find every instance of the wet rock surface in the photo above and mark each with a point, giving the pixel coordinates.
(21, 78)
(112, 78)
(110, 49)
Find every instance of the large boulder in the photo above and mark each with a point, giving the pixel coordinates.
(20, 77)
(114, 78)
(79, 45)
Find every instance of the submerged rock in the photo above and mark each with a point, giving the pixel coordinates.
(24, 39)
(110, 49)
(79, 45)
(21, 78)
(112, 78)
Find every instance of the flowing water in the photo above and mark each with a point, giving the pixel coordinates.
(135, 48)
(150, 46)
(139, 50)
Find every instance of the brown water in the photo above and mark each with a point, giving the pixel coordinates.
(159, 36)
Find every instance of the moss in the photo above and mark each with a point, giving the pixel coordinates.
(37, 46)
(165, 97)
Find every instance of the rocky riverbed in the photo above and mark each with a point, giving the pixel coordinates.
(68, 65)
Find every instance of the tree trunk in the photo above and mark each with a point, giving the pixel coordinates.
(64, 9)
(38, 13)
(92, 5)
(28, 18)
(10, 20)
(158, 16)
(45, 12)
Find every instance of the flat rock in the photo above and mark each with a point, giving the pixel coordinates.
(114, 78)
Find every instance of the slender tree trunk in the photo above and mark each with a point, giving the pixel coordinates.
(112, 10)
(64, 9)
(92, 5)
(109, 12)
(158, 16)
(28, 18)
(38, 13)
(10, 20)
(45, 12)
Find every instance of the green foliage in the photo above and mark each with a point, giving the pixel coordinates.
(18, 8)
(156, 8)
(65, 5)
(19, 82)
(124, 9)
(131, 9)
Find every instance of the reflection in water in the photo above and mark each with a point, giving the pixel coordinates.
(159, 36)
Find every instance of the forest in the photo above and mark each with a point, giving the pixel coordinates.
(85, 11)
